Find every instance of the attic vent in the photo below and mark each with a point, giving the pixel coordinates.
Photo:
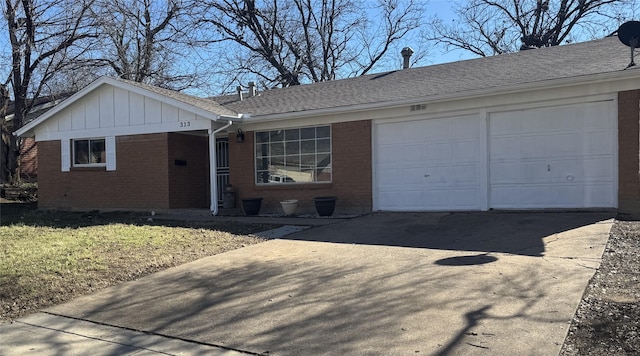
(418, 107)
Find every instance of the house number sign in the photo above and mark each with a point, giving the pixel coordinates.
(185, 123)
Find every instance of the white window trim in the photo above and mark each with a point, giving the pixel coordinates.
(84, 165)
(69, 154)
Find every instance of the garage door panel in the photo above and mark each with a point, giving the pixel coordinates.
(519, 171)
(452, 199)
(438, 152)
(465, 174)
(412, 176)
(412, 153)
(466, 151)
(443, 167)
(503, 147)
(599, 195)
(598, 143)
(562, 157)
(533, 195)
(388, 154)
(599, 169)
(398, 200)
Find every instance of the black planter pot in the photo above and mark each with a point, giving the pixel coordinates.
(325, 205)
(251, 206)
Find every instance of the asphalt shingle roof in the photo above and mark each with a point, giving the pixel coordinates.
(506, 70)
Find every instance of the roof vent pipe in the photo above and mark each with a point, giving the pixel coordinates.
(252, 88)
(406, 55)
(239, 90)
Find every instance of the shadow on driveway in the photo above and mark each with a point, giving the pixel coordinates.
(519, 233)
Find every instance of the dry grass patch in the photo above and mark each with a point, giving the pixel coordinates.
(50, 257)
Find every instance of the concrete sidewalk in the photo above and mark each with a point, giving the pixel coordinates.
(387, 284)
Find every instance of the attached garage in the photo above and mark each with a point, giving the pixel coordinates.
(552, 157)
(558, 157)
(429, 164)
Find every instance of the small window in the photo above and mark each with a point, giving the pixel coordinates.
(300, 155)
(89, 152)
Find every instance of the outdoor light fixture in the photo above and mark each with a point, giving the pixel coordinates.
(240, 136)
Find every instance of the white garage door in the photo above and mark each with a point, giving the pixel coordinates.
(561, 157)
(428, 165)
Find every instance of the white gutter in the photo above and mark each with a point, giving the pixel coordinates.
(213, 167)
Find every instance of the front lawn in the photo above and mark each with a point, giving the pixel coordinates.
(48, 258)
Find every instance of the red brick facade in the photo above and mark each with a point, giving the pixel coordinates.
(164, 171)
(188, 171)
(28, 159)
(146, 177)
(629, 152)
(352, 173)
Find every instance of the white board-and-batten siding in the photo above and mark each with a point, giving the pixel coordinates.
(113, 111)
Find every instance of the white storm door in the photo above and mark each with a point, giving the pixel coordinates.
(558, 157)
(428, 165)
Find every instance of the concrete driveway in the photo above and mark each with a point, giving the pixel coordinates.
(388, 284)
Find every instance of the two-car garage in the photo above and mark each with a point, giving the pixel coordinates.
(552, 157)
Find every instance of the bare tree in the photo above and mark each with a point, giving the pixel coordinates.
(148, 41)
(288, 42)
(489, 27)
(44, 38)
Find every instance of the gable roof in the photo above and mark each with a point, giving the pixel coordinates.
(605, 59)
(539, 67)
(204, 107)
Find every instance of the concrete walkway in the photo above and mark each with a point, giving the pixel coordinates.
(382, 284)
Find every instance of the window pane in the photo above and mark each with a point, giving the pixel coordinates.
(323, 131)
(307, 133)
(277, 162)
(293, 161)
(262, 150)
(292, 135)
(276, 136)
(292, 148)
(324, 160)
(262, 137)
(81, 151)
(262, 177)
(308, 162)
(97, 151)
(324, 145)
(308, 146)
(277, 149)
(262, 164)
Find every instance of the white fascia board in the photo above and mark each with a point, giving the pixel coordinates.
(161, 127)
(516, 88)
(122, 85)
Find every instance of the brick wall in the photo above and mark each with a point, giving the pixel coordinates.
(189, 177)
(28, 159)
(352, 173)
(140, 180)
(629, 152)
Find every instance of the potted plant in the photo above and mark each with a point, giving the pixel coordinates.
(289, 206)
(325, 205)
(251, 206)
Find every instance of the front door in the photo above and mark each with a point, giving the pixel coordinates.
(222, 166)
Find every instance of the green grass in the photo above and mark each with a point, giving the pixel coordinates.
(50, 257)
